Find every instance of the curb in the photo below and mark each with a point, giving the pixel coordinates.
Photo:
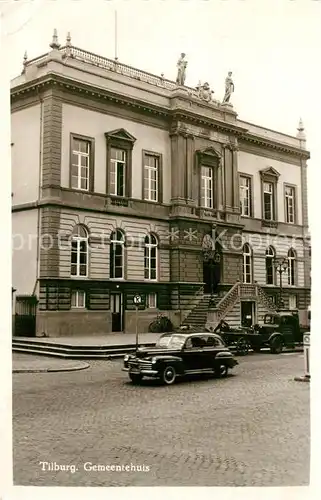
(303, 378)
(52, 370)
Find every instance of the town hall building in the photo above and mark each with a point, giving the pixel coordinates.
(127, 183)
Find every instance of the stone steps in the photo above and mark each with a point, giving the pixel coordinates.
(74, 352)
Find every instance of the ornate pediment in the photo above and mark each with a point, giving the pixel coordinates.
(269, 172)
(120, 134)
(209, 156)
(210, 151)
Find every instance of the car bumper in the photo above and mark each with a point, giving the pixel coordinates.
(150, 373)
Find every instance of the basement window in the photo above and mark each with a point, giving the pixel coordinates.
(78, 299)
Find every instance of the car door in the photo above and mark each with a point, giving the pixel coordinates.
(193, 354)
(212, 347)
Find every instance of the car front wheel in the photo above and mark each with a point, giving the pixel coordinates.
(169, 375)
(221, 371)
(135, 378)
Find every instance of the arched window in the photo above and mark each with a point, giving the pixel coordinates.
(117, 245)
(79, 252)
(150, 260)
(269, 266)
(291, 267)
(247, 264)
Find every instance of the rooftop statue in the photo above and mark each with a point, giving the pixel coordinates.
(229, 88)
(181, 71)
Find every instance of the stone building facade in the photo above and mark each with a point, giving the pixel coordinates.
(118, 178)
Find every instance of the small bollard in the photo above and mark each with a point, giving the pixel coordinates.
(306, 346)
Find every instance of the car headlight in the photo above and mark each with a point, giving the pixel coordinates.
(126, 357)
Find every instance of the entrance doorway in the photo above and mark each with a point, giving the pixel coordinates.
(212, 268)
(117, 316)
(25, 317)
(211, 275)
(247, 313)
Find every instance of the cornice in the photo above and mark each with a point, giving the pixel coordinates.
(194, 118)
(59, 82)
(274, 145)
(53, 80)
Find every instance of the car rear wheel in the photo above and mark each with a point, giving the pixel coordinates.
(276, 345)
(221, 371)
(135, 378)
(169, 375)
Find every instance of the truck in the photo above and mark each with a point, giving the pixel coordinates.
(277, 331)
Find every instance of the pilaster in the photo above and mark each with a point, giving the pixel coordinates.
(228, 178)
(52, 137)
(48, 242)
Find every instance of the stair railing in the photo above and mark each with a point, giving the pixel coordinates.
(227, 302)
(264, 298)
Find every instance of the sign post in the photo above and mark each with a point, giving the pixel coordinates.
(306, 353)
(306, 346)
(137, 302)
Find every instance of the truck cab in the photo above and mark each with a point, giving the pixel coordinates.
(278, 330)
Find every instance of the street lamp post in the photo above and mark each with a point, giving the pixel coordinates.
(281, 266)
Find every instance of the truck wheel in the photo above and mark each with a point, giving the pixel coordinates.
(169, 375)
(221, 371)
(242, 346)
(276, 345)
(135, 378)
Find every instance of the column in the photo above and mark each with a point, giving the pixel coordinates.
(236, 190)
(219, 187)
(189, 168)
(178, 164)
(228, 171)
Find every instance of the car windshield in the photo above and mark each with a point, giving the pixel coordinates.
(171, 341)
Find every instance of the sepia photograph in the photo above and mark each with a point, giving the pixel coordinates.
(162, 163)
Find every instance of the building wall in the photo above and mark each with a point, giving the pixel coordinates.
(24, 251)
(25, 154)
(100, 227)
(281, 244)
(92, 124)
(289, 174)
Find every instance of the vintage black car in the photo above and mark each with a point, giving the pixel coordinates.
(179, 354)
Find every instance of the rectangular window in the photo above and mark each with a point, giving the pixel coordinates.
(151, 177)
(78, 299)
(292, 302)
(151, 301)
(268, 201)
(80, 164)
(289, 204)
(207, 187)
(79, 256)
(117, 172)
(269, 272)
(245, 196)
(247, 269)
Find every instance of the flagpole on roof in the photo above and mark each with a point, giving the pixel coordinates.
(116, 55)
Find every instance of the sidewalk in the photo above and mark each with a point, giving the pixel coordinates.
(26, 363)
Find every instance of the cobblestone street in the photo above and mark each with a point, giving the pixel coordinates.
(250, 429)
